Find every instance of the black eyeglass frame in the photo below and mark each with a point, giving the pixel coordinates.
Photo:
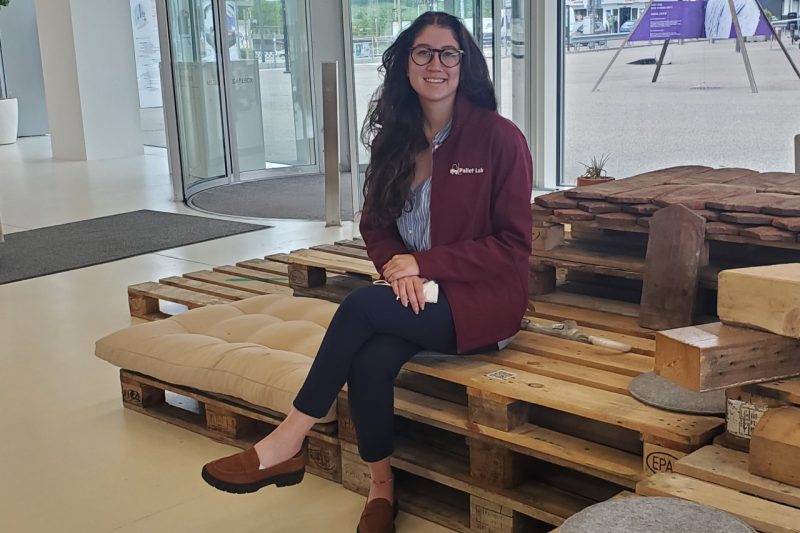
(438, 51)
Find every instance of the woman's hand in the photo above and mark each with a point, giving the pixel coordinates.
(400, 266)
(409, 291)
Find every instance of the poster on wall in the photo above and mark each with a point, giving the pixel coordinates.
(147, 52)
(700, 19)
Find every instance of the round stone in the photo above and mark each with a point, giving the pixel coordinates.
(652, 515)
(652, 389)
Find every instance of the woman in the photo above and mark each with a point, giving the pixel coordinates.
(447, 198)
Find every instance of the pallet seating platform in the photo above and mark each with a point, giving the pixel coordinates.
(533, 433)
(224, 419)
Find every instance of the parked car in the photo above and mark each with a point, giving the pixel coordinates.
(627, 26)
(580, 36)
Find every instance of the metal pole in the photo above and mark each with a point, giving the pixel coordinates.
(619, 50)
(777, 38)
(660, 60)
(330, 135)
(740, 41)
(797, 154)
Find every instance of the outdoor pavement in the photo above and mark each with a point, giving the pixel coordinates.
(701, 110)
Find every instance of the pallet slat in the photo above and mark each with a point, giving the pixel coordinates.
(764, 515)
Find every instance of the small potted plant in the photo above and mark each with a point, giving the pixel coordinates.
(594, 171)
(9, 109)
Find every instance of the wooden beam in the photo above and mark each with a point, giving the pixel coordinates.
(775, 446)
(764, 297)
(717, 356)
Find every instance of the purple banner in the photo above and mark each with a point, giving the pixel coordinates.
(699, 19)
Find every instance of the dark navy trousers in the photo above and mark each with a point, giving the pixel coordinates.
(369, 339)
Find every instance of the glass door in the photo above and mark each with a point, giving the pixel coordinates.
(197, 104)
(271, 87)
(240, 106)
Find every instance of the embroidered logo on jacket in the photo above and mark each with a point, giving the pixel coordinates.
(457, 170)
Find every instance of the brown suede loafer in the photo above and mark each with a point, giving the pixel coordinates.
(239, 473)
(378, 516)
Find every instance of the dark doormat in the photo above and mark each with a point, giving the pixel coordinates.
(300, 197)
(43, 251)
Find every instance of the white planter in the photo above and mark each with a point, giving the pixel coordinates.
(9, 116)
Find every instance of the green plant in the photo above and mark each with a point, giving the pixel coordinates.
(4, 3)
(595, 168)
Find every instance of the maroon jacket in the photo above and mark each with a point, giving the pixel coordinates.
(480, 226)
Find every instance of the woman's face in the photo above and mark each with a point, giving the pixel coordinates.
(434, 82)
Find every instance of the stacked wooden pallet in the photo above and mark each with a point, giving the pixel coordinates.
(519, 439)
(740, 205)
(606, 239)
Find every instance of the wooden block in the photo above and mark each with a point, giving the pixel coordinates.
(616, 220)
(764, 181)
(644, 195)
(763, 515)
(494, 411)
(722, 228)
(788, 223)
(748, 203)
(142, 306)
(547, 238)
(659, 459)
(595, 206)
(644, 210)
(324, 459)
(764, 297)
(494, 465)
(698, 196)
(347, 429)
(568, 215)
(541, 280)
(490, 517)
(355, 473)
(788, 207)
(556, 200)
(540, 213)
(729, 468)
(228, 423)
(711, 216)
(676, 252)
(744, 408)
(768, 233)
(720, 175)
(717, 356)
(140, 394)
(306, 276)
(751, 219)
(775, 446)
(785, 390)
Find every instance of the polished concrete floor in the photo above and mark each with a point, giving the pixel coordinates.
(71, 458)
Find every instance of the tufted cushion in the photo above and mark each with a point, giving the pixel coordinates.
(258, 349)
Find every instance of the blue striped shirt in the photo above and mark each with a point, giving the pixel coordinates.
(414, 223)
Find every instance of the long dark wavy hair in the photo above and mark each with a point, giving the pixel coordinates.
(393, 129)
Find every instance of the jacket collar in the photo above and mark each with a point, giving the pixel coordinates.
(462, 111)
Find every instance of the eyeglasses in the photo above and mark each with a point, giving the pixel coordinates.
(448, 57)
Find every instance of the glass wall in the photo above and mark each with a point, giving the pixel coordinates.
(271, 85)
(700, 110)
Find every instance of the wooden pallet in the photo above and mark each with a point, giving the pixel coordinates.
(223, 284)
(331, 271)
(224, 418)
(719, 477)
(742, 206)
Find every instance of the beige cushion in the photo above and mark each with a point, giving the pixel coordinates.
(258, 349)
